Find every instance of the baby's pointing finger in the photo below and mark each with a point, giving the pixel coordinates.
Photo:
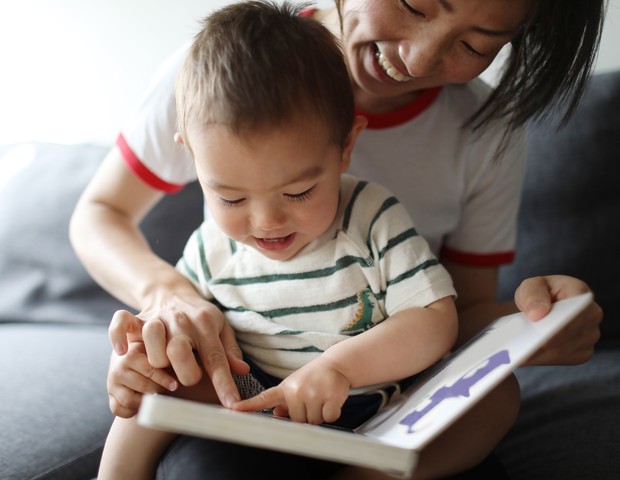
(269, 398)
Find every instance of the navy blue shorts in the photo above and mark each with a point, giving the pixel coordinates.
(356, 410)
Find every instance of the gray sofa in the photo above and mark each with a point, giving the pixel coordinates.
(54, 349)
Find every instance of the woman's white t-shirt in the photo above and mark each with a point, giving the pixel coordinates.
(461, 196)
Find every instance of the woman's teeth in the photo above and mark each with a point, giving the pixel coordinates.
(389, 69)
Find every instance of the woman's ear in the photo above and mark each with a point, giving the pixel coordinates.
(359, 124)
(178, 138)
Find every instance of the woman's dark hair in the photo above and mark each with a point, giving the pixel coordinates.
(549, 64)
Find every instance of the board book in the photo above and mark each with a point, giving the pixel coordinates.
(389, 441)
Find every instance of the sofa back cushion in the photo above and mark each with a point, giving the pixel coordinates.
(569, 222)
(41, 279)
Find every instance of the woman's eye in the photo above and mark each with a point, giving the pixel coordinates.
(409, 8)
(472, 50)
(301, 196)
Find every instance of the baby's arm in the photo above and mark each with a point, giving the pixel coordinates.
(132, 451)
(404, 344)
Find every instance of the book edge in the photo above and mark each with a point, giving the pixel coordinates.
(206, 420)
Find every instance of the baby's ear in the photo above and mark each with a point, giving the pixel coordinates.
(178, 138)
(359, 124)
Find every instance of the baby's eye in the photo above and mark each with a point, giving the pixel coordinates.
(229, 203)
(301, 196)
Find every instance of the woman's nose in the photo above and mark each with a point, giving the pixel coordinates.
(421, 54)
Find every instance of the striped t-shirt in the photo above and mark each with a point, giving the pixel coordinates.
(370, 264)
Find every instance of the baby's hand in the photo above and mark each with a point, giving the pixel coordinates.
(313, 394)
(130, 376)
(188, 334)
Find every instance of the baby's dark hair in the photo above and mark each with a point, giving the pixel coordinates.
(256, 65)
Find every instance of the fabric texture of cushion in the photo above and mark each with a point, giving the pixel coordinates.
(54, 348)
(569, 222)
(54, 414)
(41, 278)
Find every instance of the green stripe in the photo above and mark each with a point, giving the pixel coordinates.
(347, 213)
(398, 239)
(187, 271)
(413, 271)
(282, 312)
(389, 202)
(302, 350)
(204, 265)
(341, 264)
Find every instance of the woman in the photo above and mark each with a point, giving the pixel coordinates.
(449, 149)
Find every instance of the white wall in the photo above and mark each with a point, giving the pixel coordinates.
(73, 70)
(609, 54)
(76, 68)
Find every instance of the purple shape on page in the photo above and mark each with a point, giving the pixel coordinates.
(460, 388)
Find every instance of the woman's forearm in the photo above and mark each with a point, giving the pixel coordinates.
(105, 235)
(119, 258)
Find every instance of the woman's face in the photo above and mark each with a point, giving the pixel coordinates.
(397, 47)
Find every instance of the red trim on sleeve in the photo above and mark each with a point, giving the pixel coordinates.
(141, 171)
(477, 259)
(307, 12)
(403, 114)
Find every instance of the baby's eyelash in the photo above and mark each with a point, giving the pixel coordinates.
(229, 203)
(299, 197)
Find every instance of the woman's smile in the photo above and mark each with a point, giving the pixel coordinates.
(388, 69)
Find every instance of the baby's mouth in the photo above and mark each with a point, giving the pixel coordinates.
(388, 68)
(276, 243)
(273, 240)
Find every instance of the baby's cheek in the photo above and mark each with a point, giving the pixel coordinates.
(233, 225)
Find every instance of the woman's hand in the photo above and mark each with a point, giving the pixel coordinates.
(575, 343)
(177, 321)
(130, 376)
(313, 394)
(186, 335)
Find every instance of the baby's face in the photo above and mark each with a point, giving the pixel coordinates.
(274, 190)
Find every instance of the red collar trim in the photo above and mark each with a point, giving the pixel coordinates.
(403, 114)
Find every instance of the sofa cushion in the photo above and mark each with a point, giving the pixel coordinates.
(569, 222)
(54, 414)
(41, 279)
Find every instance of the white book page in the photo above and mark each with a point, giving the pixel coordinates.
(457, 383)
